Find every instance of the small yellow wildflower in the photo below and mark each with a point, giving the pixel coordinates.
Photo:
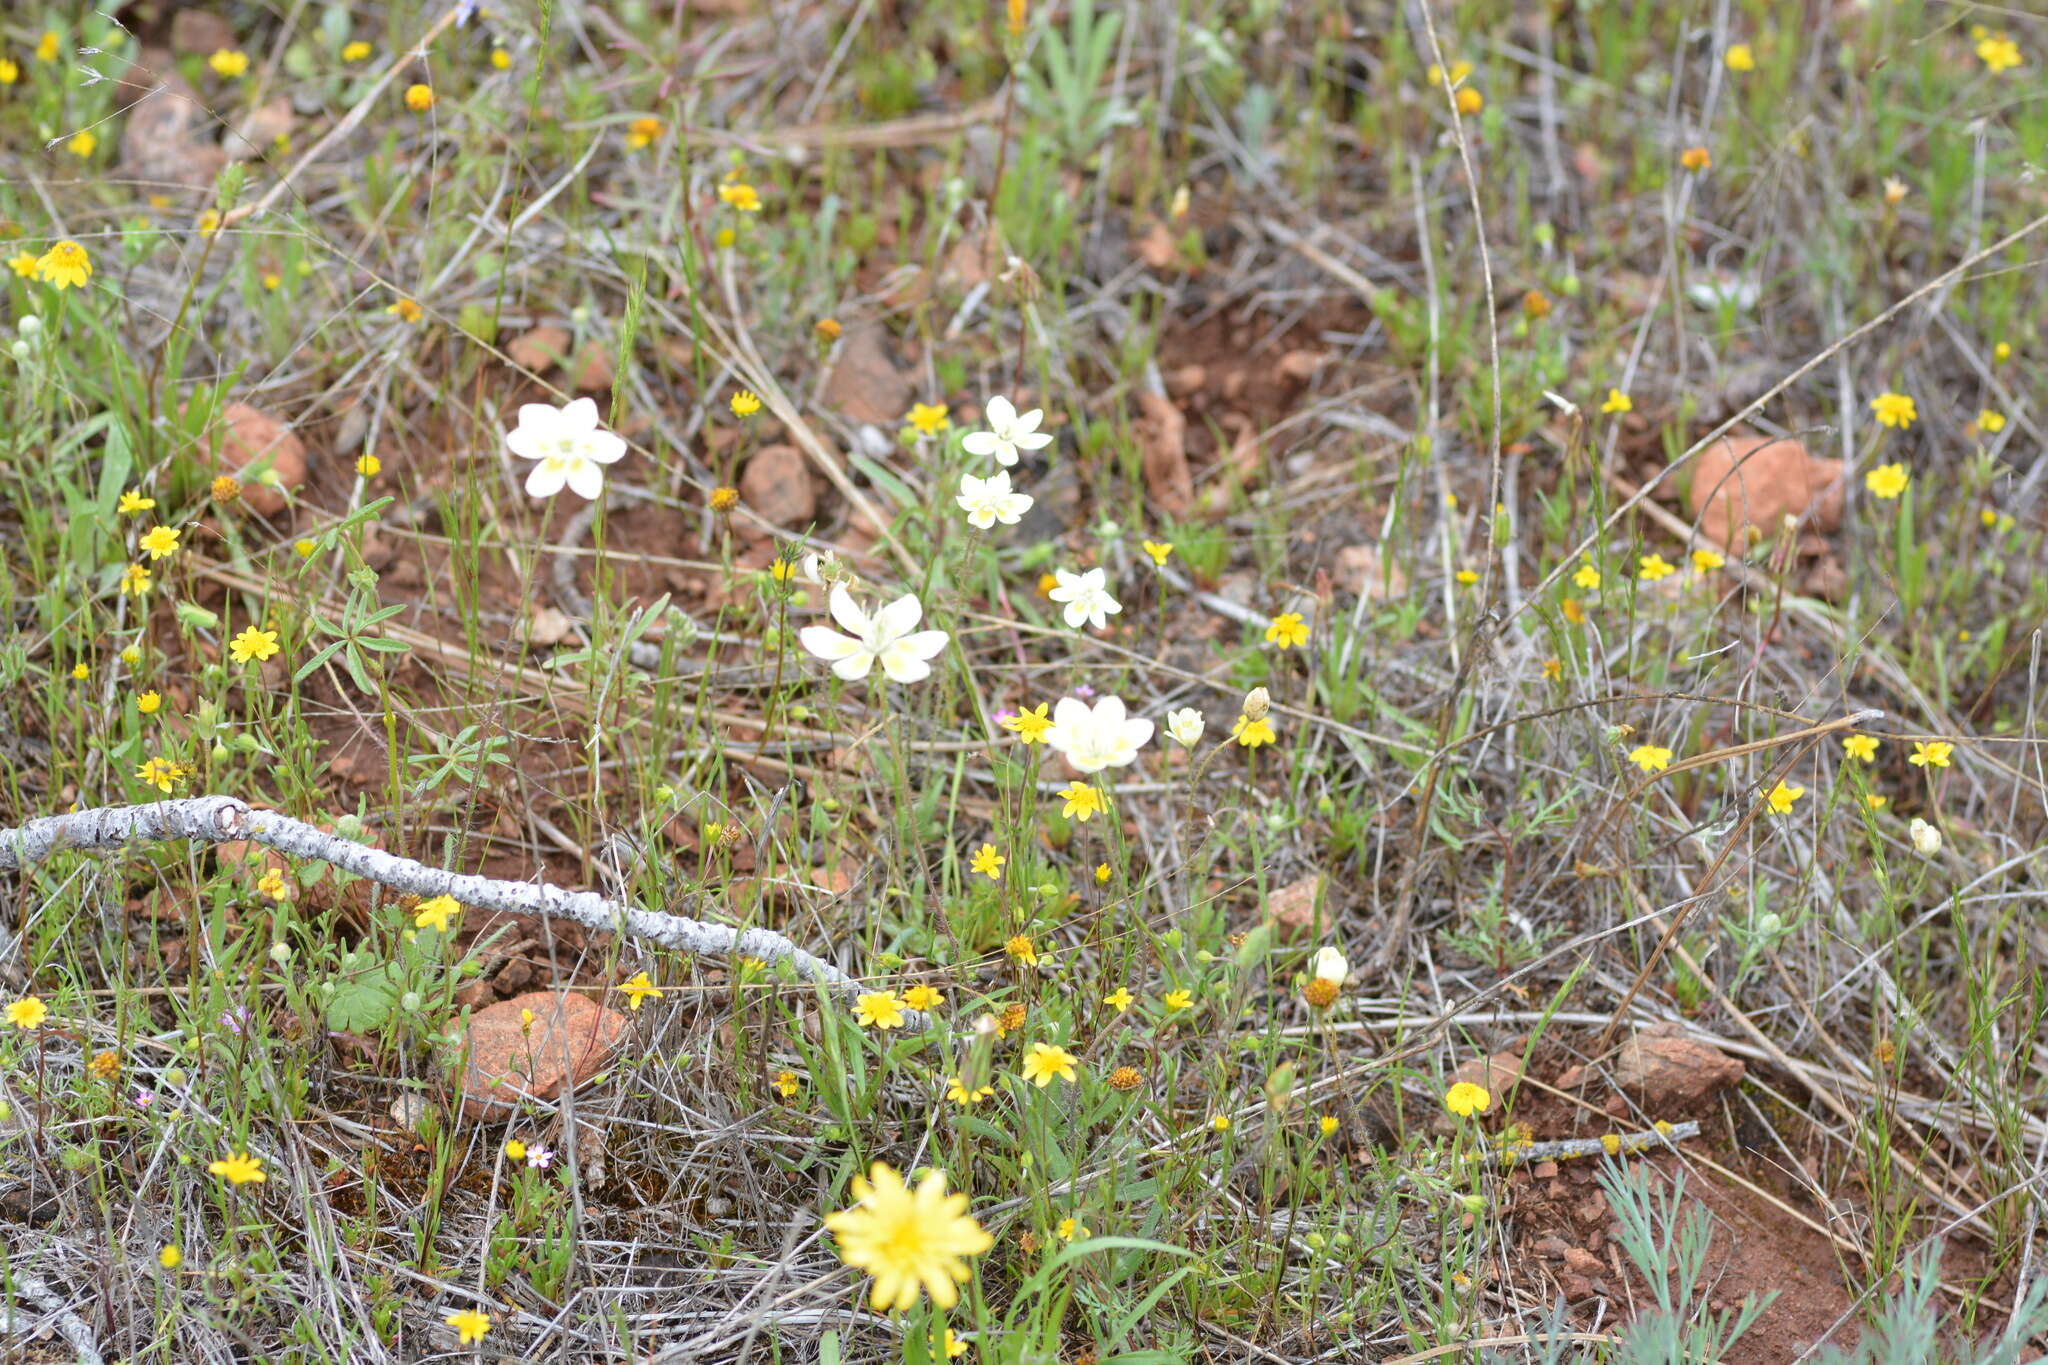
(435, 913)
(1740, 59)
(515, 1150)
(1030, 724)
(786, 1084)
(1933, 753)
(643, 132)
(878, 1010)
(159, 541)
(1469, 101)
(1783, 797)
(929, 418)
(64, 266)
(1998, 53)
(228, 63)
(1862, 747)
(745, 403)
(638, 989)
(23, 263)
(170, 1258)
(1179, 1000)
(1252, 733)
(369, 466)
(501, 60)
(355, 51)
(1466, 1099)
(1887, 481)
(1990, 421)
(1082, 801)
(272, 885)
(148, 702)
(2001, 352)
(1102, 873)
(1022, 948)
(1617, 402)
(1553, 669)
(740, 197)
(1696, 159)
(1158, 549)
(966, 1095)
(1574, 610)
(419, 98)
(923, 997)
(238, 1168)
(1706, 561)
(469, 1325)
(28, 1013)
(988, 862)
(252, 643)
(724, 499)
(1876, 802)
(1119, 999)
(1650, 758)
(1047, 1062)
(83, 143)
(1070, 1228)
(1587, 578)
(1287, 630)
(46, 46)
(135, 579)
(1651, 568)
(10, 71)
(407, 310)
(159, 773)
(1895, 410)
(1327, 1124)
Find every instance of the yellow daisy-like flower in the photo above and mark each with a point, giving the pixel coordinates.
(740, 197)
(638, 989)
(1252, 733)
(272, 885)
(1119, 999)
(83, 143)
(965, 1095)
(419, 98)
(1180, 1000)
(923, 997)
(1998, 53)
(228, 63)
(1587, 578)
(1895, 410)
(64, 266)
(1862, 747)
(23, 263)
(1071, 1229)
(1651, 568)
(745, 403)
(135, 579)
(159, 542)
(1933, 753)
(1327, 1124)
(786, 1084)
(911, 1242)
(469, 1325)
(1617, 402)
(46, 46)
(28, 1013)
(879, 1010)
(355, 51)
(1469, 101)
(1030, 724)
(501, 60)
(929, 418)
(1081, 802)
(435, 913)
(132, 502)
(1158, 549)
(1287, 630)
(1739, 58)
(238, 1168)
(642, 132)
(1990, 421)
(1650, 758)
(10, 71)
(1887, 481)
(369, 466)
(1022, 948)
(1706, 561)
(1553, 669)
(988, 862)
(1466, 1099)
(1783, 797)
(148, 702)
(1048, 1062)
(253, 644)
(170, 1258)
(159, 773)
(1876, 802)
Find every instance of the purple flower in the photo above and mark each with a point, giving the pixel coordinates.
(142, 1099)
(236, 1020)
(1084, 691)
(539, 1157)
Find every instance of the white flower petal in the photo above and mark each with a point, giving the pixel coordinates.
(848, 613)
(825, 643)
(586, 479)
(898, 619)
(604, 447)
(546, 480)
(1001, 413)
(979, 443)
(580, 416)
(855, 666)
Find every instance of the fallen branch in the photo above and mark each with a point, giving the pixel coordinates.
(217, 819)
(57, 1317)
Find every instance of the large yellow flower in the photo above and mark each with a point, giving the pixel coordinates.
(1047, 1062)
(910, 1241)
(65, 266)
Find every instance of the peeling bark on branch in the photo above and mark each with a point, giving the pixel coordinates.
(216, 819)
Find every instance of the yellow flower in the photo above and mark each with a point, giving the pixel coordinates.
(1220, 1123)
(148, 702)
(10, 71)
(638, 989)
(83, 143)
(1159, 550)
(929, 418)
(1783, 797)
(1553, 669)
(209, 222)
(228, 63)
(135, 579)
(23, 263)
(159, 541)
(1081, 801)
(922, 997)
(643, 132)
(1617, 401)
(1287, 630)
(1574, 611)
(419, 98)
(1069, 1229)
(1876, 802)
(1047, 1062)
(1587, 578)
(1740, 58)
(1998, 53)
(1860, 746)
(1706, 561)
(827, 329)
(1179, 1000)
(159, 773)
(1535, 304)
(81, 671)
(2001, 352)
(435, 913)
(1933, 753)
(912, 1242)
(745, 403)
(878, 1009)
(740, 197)
(1102, 873)
(64, 266)
(1252, 733)
(1695, 159)
(1887, 481)
(1467, 576)
(1990, 421)
(28, 1013)
(407, 310)
(1118, 999)
(1653, 567)
(1650, 758)
(501, 60)
(1466, 1099)
(238, 1168)
(170, 1258)
(515, 1150)
(1327, 1124)
(272, 884)
(989, 863)
(966, 1095)
(1459, 71)
(1022, 948)
(369, 466)
(786, 1084)
(252, 643)
(1030, 724)
(469, 1325)
(724, 499)
(46, 46)
(355, 51)
(1895, 410)
(1469, 101)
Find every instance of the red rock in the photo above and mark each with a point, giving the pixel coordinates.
(165, 139)
(1162, 445)
(776, 486)
(539, 349)
(1575, 1287)
(1292, 909)
(1745, 482)
(1580, 1262)
(247, 437)
(1496, 1075)
(1669, 1071)
(1571, 1078)
(1553, 1247)
(572, 1037)
(1544, 1170)
(865, 382)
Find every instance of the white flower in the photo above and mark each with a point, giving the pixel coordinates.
(1330, 966)
(569, 444)
(890, 637)
(539, 1157)
(1007, 433)
(1086, 595)
(1926, 838)
(1185, 725)
(988, 501)
(1105, 737)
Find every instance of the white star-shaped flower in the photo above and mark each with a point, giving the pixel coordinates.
(988, 501)
(571, 447)
(1104, 737)
(890, 637)
(1008, 432)
(1086, 596)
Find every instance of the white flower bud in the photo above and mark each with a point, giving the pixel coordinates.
(1926, 838)
(1185, 726)
(1256, 703)
(29, 325)
(1330, 966)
